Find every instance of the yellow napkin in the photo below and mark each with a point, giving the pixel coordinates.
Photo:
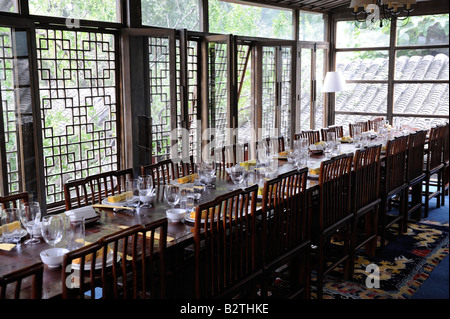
(7, 247)
(187, 179)
(118, 198)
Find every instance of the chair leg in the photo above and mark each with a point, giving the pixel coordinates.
(427, 198)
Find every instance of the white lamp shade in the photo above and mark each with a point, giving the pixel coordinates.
(334, 82)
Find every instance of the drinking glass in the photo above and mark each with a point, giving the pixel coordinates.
(172, 195)
(237, 174)
(209, 169)
(75, 232)
(10, 225)
(131, 190)
(187, 198)
(52, 228)
(30, 216)
(145, 187)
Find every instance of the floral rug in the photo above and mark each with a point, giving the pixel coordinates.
(403, 265)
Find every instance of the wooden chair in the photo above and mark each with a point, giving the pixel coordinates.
(337, 130)
(393, 183)
(162, 172)
(434, 165)
(376, 123)
(14, 200)
(184, 166)
(446, 174)
(81, 273)
(363, 125)
(153, 274)
(19, 279)
(224, 240)
(276, 143)
(233, 154)
(312, 136)
(286, 233)
(93, 189)
(414, 173)
(366, 199)
(121, 268)
(334, 215)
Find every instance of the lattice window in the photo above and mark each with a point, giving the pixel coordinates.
(77, 86)
(193, 48)
(286, 87)
(269, 83)
(244, 92)
(159, 76)
(218, 91)
(8, 84)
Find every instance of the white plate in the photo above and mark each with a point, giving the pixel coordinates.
(98, 262)
(313, 176)
(106, 202)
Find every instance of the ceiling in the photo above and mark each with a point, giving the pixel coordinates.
(313, 5)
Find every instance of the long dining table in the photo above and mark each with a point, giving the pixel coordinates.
(180, 234)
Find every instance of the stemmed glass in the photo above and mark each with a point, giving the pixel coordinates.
(172, 195)
(209, 169)
(52, 227)
(145, 187)
(237, 174)
(30, 216)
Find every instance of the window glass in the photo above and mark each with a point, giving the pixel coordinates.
(174, 14)
(363, 65)
(423, 98)
(8, 6)
(231, 18)
(103, 10)
(424, 30)
(312, 26)
(363, 97)
(428, 64)
(348, 35)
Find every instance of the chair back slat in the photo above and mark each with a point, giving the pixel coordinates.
(313, 136)
(14, 200)
(16, 280)
(395, 164)
(435, 148)
(334, 184)
(162, 172)
(415, 154)
(363, 125)
(366, 177)
(284, 217)
(93, 189)
(337, 130)
(224, 236)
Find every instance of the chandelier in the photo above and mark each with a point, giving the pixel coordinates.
(368, 12)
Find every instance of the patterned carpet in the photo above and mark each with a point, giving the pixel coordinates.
(404, 264)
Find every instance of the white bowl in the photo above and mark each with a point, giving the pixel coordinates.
(53, 257)
(175, 214)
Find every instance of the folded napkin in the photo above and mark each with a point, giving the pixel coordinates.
(7, 247)
(317, 147)
(187, 179)
(86, 212)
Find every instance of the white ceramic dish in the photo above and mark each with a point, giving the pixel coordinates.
(106, 202)
(53, 257)
(175, 214)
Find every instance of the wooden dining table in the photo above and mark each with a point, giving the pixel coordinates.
(180, 234)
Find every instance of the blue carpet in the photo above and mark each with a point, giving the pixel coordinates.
(437, 285)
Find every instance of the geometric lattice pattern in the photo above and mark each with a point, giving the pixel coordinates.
(77, 86)
(8, 111)
(269, 85)
(286, 90)
(159, 80)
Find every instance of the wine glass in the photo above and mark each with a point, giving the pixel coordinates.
(237, 174)
(52, 227)
(30, 216)
(145, 187)
(172, 195)
(209, 169)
